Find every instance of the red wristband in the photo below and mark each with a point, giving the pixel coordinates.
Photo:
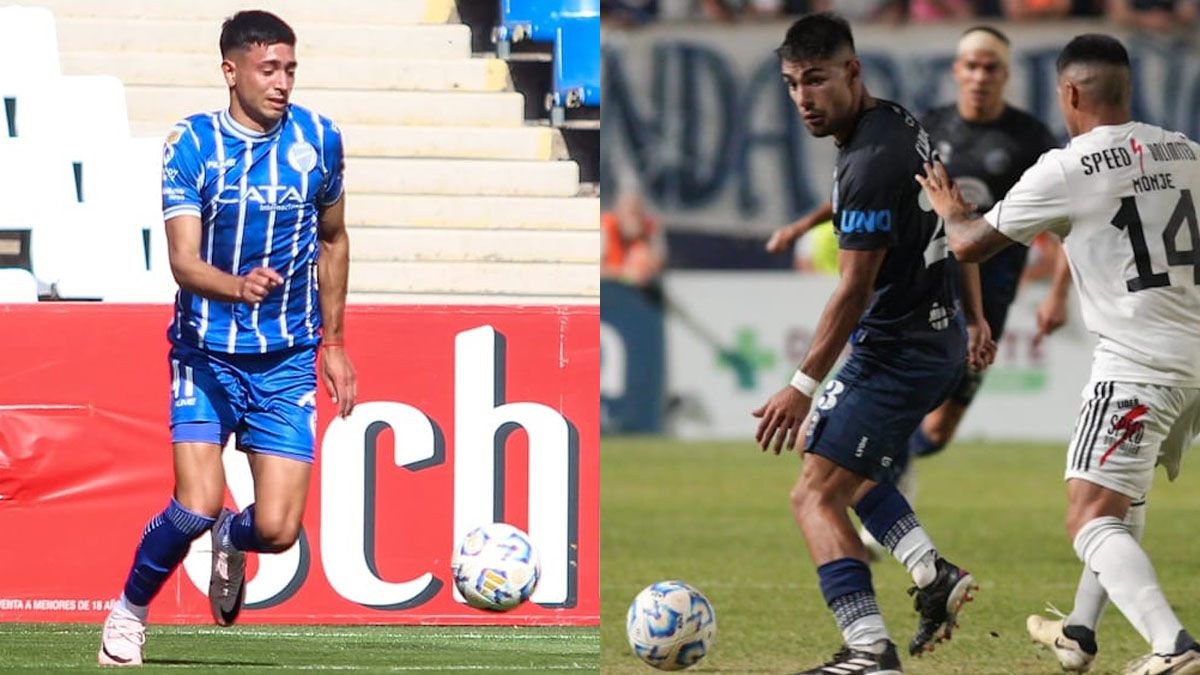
(332, 344)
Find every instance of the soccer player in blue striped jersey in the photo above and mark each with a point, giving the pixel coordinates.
(254, 209)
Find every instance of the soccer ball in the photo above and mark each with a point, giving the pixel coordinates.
(671, 625)
(495, 567)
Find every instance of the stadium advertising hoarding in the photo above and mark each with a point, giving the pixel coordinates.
(465, 415)
(698, 118)
(733, 339)
(631, 359)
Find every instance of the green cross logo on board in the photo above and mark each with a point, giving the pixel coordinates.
(746, 358)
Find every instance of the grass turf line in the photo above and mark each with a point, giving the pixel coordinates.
(716, 515)
(56, 648)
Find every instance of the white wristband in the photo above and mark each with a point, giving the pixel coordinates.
(804, 384)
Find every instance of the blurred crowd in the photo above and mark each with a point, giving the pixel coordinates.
(1160, 16)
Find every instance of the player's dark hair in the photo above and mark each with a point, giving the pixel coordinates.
(994, 32)
(815, 36)
(1093, 48)
(254, 27)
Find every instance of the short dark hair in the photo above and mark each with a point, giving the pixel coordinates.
(995, 32)
(1093, 48)
(254, 27)
(815, 36)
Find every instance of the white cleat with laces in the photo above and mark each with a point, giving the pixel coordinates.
(1075, 655)
(121, 641)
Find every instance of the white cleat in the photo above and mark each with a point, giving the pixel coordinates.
(1184, 663)
(1071, 655)
(121, 641)
(1048, 633)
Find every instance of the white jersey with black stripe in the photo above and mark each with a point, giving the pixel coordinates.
(1124, 199)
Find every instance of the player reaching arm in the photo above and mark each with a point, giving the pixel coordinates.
(783, 238)
(1120, 195)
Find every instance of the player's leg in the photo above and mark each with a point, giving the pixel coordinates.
(278, 431)
(198, 406)
(820, 500)
(1106, 473)
(272, 523)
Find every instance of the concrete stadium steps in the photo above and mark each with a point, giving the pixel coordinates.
(473, 212)
(462, 177)
(204, 70)
(400, 244)
(452, 198)
(350, 11)
(313, 41)
(166, 105)
(516, 281)
(526, 143)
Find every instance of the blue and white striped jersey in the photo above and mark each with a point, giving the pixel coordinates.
(257, 196)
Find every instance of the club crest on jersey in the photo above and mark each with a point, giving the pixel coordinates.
(302, 157)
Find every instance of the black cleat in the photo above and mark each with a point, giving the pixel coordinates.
(860, 662)
(939, 604)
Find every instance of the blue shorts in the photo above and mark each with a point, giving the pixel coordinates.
(865, 415)
(268, 400)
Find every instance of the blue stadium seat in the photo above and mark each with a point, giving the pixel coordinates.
(535, 20)
(576, 65)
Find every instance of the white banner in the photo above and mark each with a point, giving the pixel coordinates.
(733, 339)
(697, 115)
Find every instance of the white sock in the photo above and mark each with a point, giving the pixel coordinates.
(1107, 547)
(127, 608)
(916, 552)
(1090, 597)
(867, 634)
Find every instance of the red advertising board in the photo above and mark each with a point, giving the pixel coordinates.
(465, 415)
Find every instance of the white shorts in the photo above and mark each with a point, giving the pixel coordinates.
(1125, 429)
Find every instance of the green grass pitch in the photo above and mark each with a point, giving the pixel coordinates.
(716, 515)
(60, 648)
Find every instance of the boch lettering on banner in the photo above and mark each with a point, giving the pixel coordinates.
(471, 442)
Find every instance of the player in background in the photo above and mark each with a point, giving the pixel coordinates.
(254, 211)
(1121, 195)
(897, 305)
(985, 144)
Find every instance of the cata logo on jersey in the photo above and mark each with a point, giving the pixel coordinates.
(267, 197)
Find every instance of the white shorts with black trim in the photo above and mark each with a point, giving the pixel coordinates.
(1125, 429)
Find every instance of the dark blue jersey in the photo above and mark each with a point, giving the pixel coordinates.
(878, 204)
(986, 159)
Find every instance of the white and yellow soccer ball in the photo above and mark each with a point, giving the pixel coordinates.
(671, 625)
(495, 567)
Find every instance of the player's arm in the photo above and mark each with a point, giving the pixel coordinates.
(1039, 202)
(783, 415)
(1052, 312)
(783, 238)
(981, 348)
(333, 270)
(971, 238)
(196, 276)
